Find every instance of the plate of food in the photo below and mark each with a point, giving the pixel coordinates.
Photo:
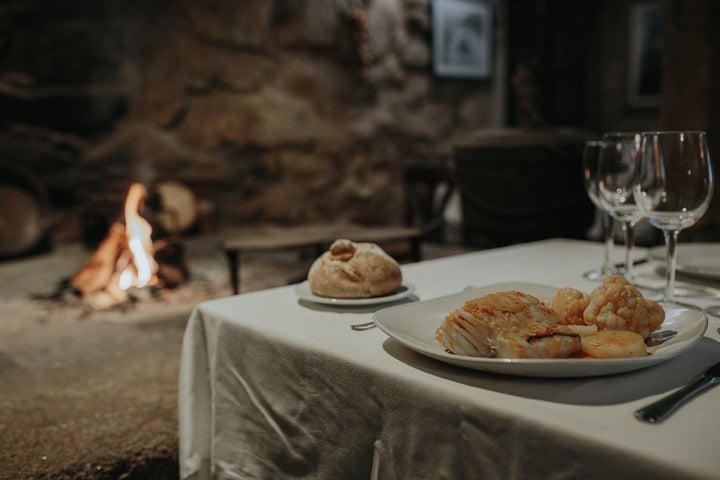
(696, 259)
(427, 328)
(354, 274)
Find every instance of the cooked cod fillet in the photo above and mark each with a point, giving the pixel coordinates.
(507, 324)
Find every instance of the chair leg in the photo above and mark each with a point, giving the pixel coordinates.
(233, 257)
(415, 253)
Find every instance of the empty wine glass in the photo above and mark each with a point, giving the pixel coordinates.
(673, 188)
(617, 167)
(590, 160)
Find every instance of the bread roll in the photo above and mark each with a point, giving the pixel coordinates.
(354, 270)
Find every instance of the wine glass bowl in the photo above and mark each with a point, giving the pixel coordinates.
(618, 164)
(673, 188)
(590, 161)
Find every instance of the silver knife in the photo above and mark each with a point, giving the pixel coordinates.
(658, 411)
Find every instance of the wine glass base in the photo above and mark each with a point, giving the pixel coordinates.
(713, 310)
(598, 274)
(657, 292)
(667, 304)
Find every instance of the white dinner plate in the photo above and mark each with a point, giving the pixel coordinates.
(696, 259)
(303, 291)
(414, 324)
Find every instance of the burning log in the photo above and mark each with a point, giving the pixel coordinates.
(97, 272)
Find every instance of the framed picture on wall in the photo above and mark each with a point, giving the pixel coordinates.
(462, 38)
(645, 55)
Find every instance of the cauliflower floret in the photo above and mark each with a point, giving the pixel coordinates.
(570, 304)
(618, 305)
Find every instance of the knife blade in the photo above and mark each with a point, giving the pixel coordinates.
(658, 411)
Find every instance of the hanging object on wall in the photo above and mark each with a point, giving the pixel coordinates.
(527, 95)
(356, 12)
(362, 42)
(645, 55)
(462, 38)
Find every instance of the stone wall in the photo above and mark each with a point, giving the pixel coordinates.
(271, 110)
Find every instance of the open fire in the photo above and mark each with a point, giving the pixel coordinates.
(129, 259)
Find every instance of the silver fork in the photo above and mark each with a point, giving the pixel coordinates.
(363, 326)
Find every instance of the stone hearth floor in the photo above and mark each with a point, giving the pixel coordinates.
(93, 393)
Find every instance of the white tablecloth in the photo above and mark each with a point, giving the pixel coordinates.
(274, 387)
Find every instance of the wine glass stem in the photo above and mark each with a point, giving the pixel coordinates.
(629, 248)
(671, 261)
(609, 233)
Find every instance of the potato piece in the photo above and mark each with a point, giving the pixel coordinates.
(583, 330)
(614, 344)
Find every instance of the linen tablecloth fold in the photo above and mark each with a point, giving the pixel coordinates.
(194, 406)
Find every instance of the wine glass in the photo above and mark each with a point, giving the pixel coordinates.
(673, 188)
(590, 160)
(617, 167)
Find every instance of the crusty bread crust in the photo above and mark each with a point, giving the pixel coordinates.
(354, 270)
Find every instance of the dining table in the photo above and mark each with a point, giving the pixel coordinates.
(275, 384)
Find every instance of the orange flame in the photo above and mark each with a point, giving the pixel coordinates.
(139, 271)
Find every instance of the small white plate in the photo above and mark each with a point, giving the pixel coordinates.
(413, 325)
(696, 259)
(303, 291)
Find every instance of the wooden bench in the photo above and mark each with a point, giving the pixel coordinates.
(317, 237)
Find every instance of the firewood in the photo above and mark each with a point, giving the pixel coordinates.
(172, 265)
(96, 273)
(178, 209)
